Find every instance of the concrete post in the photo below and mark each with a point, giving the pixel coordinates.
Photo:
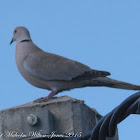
(62, 116)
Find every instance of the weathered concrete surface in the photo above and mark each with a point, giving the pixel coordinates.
(62, 115)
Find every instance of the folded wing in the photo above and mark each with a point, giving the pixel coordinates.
(49, 66)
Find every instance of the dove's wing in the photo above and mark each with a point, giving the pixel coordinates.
(53, 67)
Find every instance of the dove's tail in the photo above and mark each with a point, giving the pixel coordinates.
(105, 81)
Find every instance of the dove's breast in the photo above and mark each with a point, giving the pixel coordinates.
(21, 54)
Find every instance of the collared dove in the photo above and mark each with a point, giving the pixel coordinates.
(56, 73)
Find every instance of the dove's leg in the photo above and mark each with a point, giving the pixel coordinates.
(45, 99)
(54, 92)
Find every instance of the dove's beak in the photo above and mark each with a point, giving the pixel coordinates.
(11, 41)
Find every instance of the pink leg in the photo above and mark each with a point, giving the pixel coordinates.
(45, 99)
(54, 92)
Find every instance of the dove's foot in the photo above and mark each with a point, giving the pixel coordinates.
(41, 100)
(45, 99)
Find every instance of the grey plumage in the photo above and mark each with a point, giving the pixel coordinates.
(56, 73)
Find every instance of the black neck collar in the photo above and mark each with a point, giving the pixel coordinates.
(25, 40)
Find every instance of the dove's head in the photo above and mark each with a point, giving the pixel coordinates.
(20, 34)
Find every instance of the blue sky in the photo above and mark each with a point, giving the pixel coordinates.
(104, 35)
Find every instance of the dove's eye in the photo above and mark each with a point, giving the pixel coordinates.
(15, 31)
